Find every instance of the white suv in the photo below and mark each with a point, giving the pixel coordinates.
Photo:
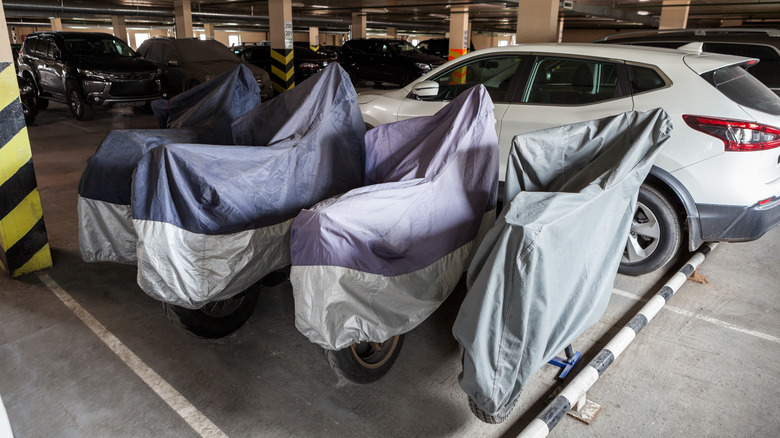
(717, 178)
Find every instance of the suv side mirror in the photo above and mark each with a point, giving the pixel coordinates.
(425, 89)
(173, 63)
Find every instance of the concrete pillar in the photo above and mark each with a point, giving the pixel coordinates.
(120, 29)
(459, 40)
(182, 10)
(208, 29)
(537, 21)
(358, 25)
(392, 32)
(280, 23)
(56, 24)
(314, 38)
(24, 245)
(459, 31)
(674, 14)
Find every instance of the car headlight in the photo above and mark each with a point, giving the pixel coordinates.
(423, 66)
(92, 74)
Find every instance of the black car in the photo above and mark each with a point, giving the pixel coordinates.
(439, 47)
(190, 62)
(385, 60)
(763, 44)
(86, 69)
(307, 62)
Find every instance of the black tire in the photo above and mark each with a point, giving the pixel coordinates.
(365, 362)
(215, 320)
(79, 107)
(27, 97)
(485, 417)
(656, 234)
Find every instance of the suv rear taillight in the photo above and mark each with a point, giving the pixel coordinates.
(737, 135)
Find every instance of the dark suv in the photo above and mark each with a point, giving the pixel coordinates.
(86, 69)
(385, 60)
(763, 44)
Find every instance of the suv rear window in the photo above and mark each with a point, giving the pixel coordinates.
(744, 89)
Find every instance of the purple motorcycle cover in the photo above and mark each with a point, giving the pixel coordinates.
(378, 260)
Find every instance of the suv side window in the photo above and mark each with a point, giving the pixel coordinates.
(570, 81)
(41, 47)
(29, 45)
(644, 79)
(495, 73)
(54, 51)
(155, 51)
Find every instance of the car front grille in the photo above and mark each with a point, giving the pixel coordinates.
(133, 88)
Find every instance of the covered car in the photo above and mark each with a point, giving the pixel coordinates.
(213, 220)
(201, 115)
(544, 273)
(376, 261)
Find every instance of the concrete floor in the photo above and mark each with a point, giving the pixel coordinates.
(707, 365)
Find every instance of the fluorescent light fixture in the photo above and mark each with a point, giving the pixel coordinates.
(643, 12)
(439, 16)
(376, 11)
(320, 6)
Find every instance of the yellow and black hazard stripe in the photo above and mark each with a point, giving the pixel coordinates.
(315, 48)
(24, 246)
(282, 69)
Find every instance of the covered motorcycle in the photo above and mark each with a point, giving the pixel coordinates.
(544, 273)
(375, 262)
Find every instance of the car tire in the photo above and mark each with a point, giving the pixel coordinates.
(217, 319)
(79, 107)
(365, 362)
(655, 236)
(27, 98)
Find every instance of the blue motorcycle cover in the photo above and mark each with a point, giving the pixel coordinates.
(544, 273)
(212, 221)
(378, 260)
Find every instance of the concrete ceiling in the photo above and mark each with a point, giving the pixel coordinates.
(425, 16)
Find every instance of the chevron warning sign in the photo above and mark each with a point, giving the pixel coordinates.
(282, 69)
(24, 246)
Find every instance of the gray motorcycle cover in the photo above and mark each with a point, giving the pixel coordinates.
(544, 272)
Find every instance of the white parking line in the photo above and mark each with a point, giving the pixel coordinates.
(202, 425)
(711, 320)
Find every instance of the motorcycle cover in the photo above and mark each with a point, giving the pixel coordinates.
(212, 221)
(215, 103)
(201, 115)
(544, 272)
(378, 260)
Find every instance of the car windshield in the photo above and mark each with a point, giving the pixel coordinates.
(401, 47)
(744, 89)
(98, 46)
(204, 51)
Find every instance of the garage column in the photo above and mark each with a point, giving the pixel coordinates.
(674, 14)
(208, 29)
(24, 246)
(459, 31)
(358, 25)
(183, 13)
(56, 24)
(120, 29)
(314, 38)
(280, 22)
(392, 32)
(537, 21)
